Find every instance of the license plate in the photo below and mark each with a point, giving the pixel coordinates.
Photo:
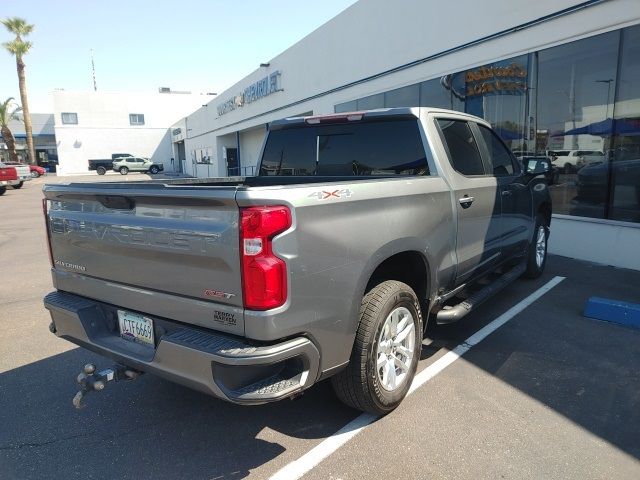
(136, 328)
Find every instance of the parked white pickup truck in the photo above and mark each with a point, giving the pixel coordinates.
(24, 173)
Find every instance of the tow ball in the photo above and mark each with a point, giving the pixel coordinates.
(92, 381)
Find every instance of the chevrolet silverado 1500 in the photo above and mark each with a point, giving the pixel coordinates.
(358, 229)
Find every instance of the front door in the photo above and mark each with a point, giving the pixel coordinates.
(476, 199)
(515, 197)
(232, 162)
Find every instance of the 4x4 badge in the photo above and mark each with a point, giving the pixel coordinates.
(324, 194)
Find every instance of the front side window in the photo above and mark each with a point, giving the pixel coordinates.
(499, 157)
(463, 150)
(136, 119)
(364, 148)
(69, 118)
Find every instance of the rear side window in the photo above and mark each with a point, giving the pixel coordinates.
(499, 156)
(364, 148)
(463, 150)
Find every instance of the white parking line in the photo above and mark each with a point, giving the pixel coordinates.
(313, 457)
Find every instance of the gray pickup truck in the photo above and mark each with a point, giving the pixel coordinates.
(358, 229)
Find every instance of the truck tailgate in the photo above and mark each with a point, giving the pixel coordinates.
(176, 240)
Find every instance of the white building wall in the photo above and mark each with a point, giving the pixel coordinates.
(103, 125)
(250, 146)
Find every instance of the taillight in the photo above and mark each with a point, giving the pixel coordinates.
(45, 211)
(264, 276)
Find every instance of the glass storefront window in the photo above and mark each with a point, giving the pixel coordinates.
(371, 102)
(576, 87)
(346, 107)
(436, 93)
(577, 103)
(624, 199)
(499, 93)
(408, 96)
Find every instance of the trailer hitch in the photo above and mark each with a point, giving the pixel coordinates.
(92, 381)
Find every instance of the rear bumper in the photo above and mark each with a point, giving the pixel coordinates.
(224, 366)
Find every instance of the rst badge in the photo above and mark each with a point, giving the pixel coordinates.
(330, 194)
(209, 292)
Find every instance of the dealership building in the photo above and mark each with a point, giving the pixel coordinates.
(557, 78)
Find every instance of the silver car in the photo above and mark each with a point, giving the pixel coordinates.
(124, 165)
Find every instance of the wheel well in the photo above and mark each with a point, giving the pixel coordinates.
(545, 210)
(407, 267)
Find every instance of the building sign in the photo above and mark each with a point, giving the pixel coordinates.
(495, 80)
(262, 88)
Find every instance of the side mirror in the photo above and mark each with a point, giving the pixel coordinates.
(536, 166)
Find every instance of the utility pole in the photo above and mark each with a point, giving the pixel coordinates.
(93, 71)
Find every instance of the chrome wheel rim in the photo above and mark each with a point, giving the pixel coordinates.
(396, 346)
(541, 246)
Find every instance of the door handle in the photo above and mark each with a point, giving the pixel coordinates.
(466, 201)
(506, 193)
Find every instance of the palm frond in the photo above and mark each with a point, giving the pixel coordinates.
(18, 26)
(17, 48)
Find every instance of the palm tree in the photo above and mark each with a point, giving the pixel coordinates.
(6, 115)
(19, 48)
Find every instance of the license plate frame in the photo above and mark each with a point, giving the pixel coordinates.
(136, 328)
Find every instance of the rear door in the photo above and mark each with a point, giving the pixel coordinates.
(476, 200)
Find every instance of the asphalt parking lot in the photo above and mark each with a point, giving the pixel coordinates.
(550, 394)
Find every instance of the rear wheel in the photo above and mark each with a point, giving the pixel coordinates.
(19, 185)
(3, 189)
(154, 170)
(386, 350)
(35, 174)
(101, 170)
(123, 170)
(537, 258)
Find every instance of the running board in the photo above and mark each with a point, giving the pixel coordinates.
(451, 314)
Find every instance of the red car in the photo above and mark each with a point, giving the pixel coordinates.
(8, 176)
(36, 171)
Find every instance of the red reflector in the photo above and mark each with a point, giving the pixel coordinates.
(264, 275)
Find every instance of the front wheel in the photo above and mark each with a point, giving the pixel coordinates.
(123, 170)
(101, 170)
(537, 258)
(19, 185)
(386, 350)
(3, 189)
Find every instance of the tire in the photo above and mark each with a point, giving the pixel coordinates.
(3, 189)
(123, 170)
(361, 384)
(537, 259)
(154, 170)
(18, 185)
(35, 174)
(568, 168)
(101, 170)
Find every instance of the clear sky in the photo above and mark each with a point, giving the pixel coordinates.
(201, 46)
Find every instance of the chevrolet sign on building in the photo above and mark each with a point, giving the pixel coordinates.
(260, 89)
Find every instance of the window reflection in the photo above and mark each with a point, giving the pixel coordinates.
(499, 93)
(625, 152)
(576, 84)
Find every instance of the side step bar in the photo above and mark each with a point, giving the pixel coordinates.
(451, 314)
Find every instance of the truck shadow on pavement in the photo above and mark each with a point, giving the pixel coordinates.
(150, 428)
